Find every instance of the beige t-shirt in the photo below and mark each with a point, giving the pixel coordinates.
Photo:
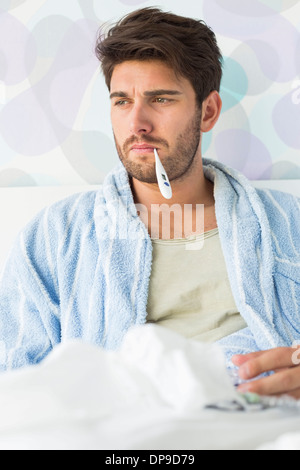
(189, 288)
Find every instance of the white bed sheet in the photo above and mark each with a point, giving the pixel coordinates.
(150, 395)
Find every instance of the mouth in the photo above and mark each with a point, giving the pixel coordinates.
(143, 149)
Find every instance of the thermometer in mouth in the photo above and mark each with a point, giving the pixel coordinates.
(162, 178)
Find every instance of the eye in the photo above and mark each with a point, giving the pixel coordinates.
(121, 102)
(162, 100)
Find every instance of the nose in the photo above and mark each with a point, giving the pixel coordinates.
(140, 121)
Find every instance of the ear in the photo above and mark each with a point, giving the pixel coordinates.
(211, 110)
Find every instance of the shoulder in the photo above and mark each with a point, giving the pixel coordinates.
(280, 204)
(77, 206)
(52, 237)
(60, 221)
(79, 203)
(283, 212)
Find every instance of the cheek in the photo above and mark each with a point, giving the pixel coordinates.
(117, 130)
(119, 125)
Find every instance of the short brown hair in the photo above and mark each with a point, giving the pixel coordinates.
(189, 46)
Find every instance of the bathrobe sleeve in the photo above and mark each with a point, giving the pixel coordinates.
(52, 262)
(29, 303)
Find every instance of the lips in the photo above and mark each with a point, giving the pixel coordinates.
(143, 147)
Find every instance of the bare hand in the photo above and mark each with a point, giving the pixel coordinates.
(283, 361)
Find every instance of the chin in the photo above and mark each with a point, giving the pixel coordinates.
(140, 172)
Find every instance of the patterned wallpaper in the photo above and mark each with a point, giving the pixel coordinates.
(54, 108)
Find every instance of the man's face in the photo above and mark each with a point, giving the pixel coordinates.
(153, 108)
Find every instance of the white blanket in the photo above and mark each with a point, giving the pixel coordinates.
(150, 394)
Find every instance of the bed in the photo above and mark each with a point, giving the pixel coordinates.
(159, 392)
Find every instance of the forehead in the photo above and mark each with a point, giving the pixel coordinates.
(147, 75)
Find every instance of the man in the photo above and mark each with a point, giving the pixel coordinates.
(88, 268)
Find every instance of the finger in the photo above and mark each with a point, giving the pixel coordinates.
(240, 359)
(272, 360)
(284, 382)
(295, 394)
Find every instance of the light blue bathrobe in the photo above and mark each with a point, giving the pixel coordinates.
(81, 269)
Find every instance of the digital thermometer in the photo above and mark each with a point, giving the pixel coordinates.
(162, 178)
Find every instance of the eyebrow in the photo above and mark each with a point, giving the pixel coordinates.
(160, 92)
